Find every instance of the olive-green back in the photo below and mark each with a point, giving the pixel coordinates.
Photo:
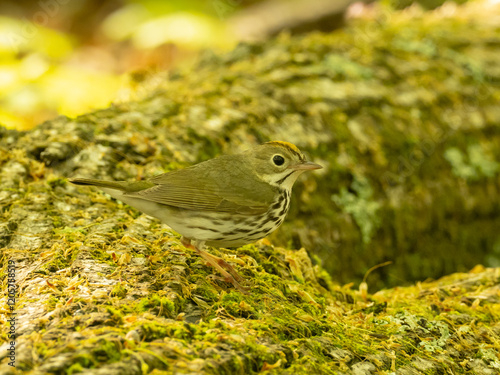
(224, 184)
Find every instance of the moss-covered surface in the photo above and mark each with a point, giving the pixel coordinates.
(402, 111)
(404, 116)
(131, 300)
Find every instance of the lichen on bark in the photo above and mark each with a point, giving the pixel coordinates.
(404, 118)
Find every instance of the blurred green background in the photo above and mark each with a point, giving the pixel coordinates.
(70, 57)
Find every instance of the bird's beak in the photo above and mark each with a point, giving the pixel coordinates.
(305, 166)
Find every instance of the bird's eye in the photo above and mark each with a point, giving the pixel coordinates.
(278, 160)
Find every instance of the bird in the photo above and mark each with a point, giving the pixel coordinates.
(227, 201)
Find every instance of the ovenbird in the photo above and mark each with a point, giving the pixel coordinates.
(228, 201)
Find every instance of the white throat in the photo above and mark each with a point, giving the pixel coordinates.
(283, 180)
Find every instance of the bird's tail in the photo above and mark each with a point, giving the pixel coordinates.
(126, 187)
(116, 185)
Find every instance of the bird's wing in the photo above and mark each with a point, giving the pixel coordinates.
(208, 187)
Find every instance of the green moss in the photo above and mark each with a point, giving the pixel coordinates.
(209, 294)
(234, 304)
(106, 350)
(57, 182)
(115, 313)
(102, 256)
(52, 302)
(379, 104)
(58, 261)
(70, 234)
(75, 369)
(82, 361)
(159, 305)
(154, 330)
(118, 291)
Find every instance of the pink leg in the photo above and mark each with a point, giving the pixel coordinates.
(219, 264)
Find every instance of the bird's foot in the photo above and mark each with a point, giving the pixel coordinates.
(228, 272)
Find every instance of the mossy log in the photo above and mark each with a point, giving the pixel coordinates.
(405, 118)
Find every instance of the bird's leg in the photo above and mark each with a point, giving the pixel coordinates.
(218, 263)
